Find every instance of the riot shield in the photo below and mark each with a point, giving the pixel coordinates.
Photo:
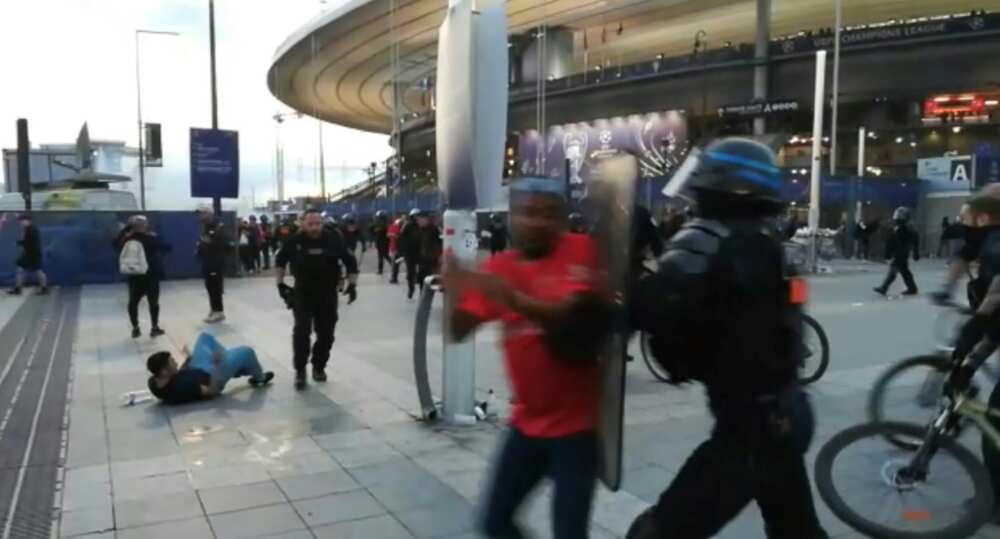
(608, 208)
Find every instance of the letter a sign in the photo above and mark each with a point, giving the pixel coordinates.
(961, 170)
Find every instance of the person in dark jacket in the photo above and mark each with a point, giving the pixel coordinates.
(29, 256)
(902, 244)
(429, 248)
(408, 247)
(213, 249)
(499, 237)
(267, 242)
(380, 237)
(147, 285)
(352, 235)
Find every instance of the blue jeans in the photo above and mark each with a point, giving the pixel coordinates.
(570, 461)
(236, 362)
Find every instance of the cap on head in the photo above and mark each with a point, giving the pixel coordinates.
(537, 186)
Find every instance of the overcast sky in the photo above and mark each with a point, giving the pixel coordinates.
(71, 61)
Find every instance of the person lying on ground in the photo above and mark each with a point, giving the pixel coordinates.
(205, 371)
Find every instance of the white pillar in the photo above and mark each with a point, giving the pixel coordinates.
(817, 152)
(459, 365)
(861, 174)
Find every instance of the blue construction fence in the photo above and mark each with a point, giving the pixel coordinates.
(836, 191)
(76, 245)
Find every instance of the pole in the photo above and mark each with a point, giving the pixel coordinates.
(861, 172)
(322, 165)
(839, 9)
(760, 71)
(138, 102)
(216, 202)
(817, 154)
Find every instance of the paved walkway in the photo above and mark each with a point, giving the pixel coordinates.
(345, 459)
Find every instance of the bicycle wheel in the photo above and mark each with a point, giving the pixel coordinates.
(864, 482)
(817, 351)
(647, 357)
(910, 391)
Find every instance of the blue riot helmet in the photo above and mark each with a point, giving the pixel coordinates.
(735, 175)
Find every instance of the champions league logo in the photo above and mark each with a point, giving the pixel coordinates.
(659, 149)
(575, 151)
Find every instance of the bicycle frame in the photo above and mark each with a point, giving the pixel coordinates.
(980, 414)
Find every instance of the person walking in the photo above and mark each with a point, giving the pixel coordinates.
(718, 311)
(393, 234)
(140, 255)
(901, 245)
(267, 241)
(547, 294)
(408, 245)
(944, 245)
(429, 249)
(316, 257)
(380, 237)
(257, 242)
(246, 247)
(29, 256)
(213, 250)
(353, 237)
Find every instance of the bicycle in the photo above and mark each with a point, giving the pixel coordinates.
(922, 497)
(920, 379)
(814, 360)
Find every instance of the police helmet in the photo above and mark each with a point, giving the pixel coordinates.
(736, 168)
(901, 215)
(576, 222)
(380, 215)
(415, 212)
(348, 218)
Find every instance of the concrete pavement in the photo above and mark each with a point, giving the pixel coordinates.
(348, 458)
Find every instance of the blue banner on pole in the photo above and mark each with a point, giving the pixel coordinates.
(215, 163)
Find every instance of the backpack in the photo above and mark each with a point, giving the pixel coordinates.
(132, 259)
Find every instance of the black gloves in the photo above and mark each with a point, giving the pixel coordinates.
(351, 291)
(287, 295)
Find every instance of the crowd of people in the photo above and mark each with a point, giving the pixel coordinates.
(717, 308)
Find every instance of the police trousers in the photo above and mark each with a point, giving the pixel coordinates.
(725, 474)
(313, 315)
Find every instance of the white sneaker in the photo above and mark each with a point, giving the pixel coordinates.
(220, 316)
(214, 317)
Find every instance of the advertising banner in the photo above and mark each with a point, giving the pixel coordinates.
(215, 163)
(659, 141)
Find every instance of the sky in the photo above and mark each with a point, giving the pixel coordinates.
(77, 61)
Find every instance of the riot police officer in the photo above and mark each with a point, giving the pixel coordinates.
(352, 234)
(903, 242)
(315, 256)
(719, 312)
(379, 232)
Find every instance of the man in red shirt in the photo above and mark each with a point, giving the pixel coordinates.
(546, 294)
(393, 233)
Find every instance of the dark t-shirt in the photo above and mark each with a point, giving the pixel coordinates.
(316, 262)
(185, 386)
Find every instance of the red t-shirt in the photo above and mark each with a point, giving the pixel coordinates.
(393, 232)
(552, 397)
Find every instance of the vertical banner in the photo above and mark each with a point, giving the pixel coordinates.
(215, 163)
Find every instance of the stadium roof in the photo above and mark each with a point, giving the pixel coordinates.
(338, 66)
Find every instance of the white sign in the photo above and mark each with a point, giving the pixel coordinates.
(955, 168)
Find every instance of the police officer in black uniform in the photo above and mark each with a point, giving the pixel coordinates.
(719, 312)
(380, 237)
(903, 243)
(315, 256)
(352, 234)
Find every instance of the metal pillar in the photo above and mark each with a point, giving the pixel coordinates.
(760, 72)
(836, 85)
(216, 202)
(817, 155)
(322, 165)
(459, 365)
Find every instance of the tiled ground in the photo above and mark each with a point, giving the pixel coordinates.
(346, 459)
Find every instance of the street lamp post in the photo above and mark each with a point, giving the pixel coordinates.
(216, 201)
(138, 101)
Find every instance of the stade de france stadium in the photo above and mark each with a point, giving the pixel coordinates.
(657, 77)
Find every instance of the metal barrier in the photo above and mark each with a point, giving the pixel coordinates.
(428, 407)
